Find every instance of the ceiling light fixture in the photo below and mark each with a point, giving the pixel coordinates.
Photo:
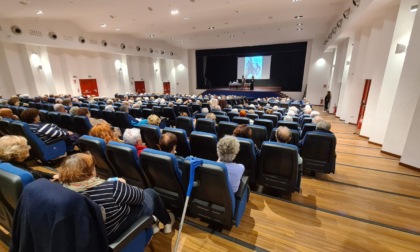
(346, 13)
(117, 29)
(294, 1)
(340, 23)
(186, 18)
(232, 36)
(299, 29)
(24, 2)
(152, 35)
(299, 24)
(40, 12)
(211, 28)
(300, 16)
(181, 41)
(356, 3)
(174, 12)
(103, 25)
(414, 8)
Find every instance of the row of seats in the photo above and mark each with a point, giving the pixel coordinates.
(16, 184)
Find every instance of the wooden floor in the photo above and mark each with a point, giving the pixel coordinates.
(371, 203)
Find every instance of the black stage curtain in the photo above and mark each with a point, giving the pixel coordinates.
(216, 67)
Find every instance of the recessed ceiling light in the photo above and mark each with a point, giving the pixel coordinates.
(181, 41)
(117, 29)
(237, 11)
(299, 24)
(172, 38)
(103, 25)
(24, 2)
(186, 18)
(150, 8)
(294, 1)
(211, 28)
(298, 16)
(226, 32)
(152, 35)
(232, 36)
(174, 12)
(299, 29)
(40, 12)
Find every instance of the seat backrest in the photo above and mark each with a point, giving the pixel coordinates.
(5, 127)
(161, 170)
(199, 115)
(186, 123)
(169, 112)
(150, 134)
(185, 108)
(135, 112)
(268, 124)
(290, 125)
(260, 113)
(213, 199)
(306, 120)
(38, 148)
(82, 125)
(96, 146)
(12, 182)
(217, 112)
(43, 114)
(252, 116)
(273, 118)
(220, 118)
(225, 128)
(203, 145)
(183, 146)
(67, 119)
(278, 166)
(125, 162)
(240, 120)
(55, 117)
(259, 134)
(306, 128)
(318, 152)
(246, 156)
(122, 121)
(20, 110)
(205, 125)
(279, 115)
(232, 115)
(146, 112)
(196, 107)
(109, 116)
(157, 110)
(95, 113)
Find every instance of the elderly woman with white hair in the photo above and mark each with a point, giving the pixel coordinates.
(133, 137)
(227, 149)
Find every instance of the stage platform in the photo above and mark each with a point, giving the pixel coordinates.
(258, 92)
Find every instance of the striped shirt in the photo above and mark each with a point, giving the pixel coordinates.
(115, 197)
(47, 132)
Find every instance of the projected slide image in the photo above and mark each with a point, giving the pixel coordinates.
(253, 67)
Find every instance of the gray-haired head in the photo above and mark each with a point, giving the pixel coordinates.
(132, 136)
(323, 125)
(227, 148)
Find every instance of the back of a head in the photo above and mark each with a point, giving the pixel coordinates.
(227, 148)
(13, 148)
(288, 118)
(211, 116)
(109, 108)
(104, 131)
(167, 142)
(317, 119)
(82, 111)
(6, 113)
(124, 108)
(132, 136)
(323, 125)
(283, 134)
(29, 115)
(242, 131)
(204, 110)
(73, 110)
(153, 120)
(76, 168)
(314, 113)
(242, 113)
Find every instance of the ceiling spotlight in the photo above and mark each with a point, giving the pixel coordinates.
(340, 23)
(346, 13)
(40, 12)
(294, 1)
(117, 29)
(299, 24)
(299, 29)
(181, 41)
(186, 18)
(24, 2)
(334, 30)
(103, 25)
(414, 8)
(152, 35)
(174, 12)
(211, 28)
(232, 36)
(356, 3)
(300, 16)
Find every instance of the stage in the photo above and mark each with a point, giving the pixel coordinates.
(258, 92)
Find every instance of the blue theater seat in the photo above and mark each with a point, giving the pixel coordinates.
(205, 125)
(183, 146)
(203, 145)
(186, 123)
(318, 152)
(246, 156)
(150, 134)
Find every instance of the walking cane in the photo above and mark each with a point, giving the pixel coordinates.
(193, 165)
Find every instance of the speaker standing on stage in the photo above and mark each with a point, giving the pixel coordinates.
(327, 101)
(251, 87)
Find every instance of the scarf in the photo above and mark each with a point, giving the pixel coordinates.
(84, 185)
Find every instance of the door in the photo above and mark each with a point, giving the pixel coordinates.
(89, 87)
(139, 87)
(363, 103)
(167, 87)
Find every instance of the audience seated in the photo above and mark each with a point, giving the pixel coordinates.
(8, 113)
(167, 143)
(105, 132)
(284, 135)
(227, 149)
(123, 203)
(133, 137)
(244, 131)
(48, 132)
(14, 150)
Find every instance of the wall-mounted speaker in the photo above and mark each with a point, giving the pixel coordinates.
(52, 35)
(16, 30)
(82, 40)
(122, 46)
(104, 43)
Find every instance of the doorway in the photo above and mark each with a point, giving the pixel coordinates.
(363, 103)
(139, 87)
(166, 87)
(89, 87)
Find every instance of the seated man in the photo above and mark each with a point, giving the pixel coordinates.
(284, 135)
(167, 143)
(133, 137)
(322, 126)
(48, 132)
(58, 107)
(227, 149)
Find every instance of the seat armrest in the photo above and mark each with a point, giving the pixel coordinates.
(137, 227)
(63, 138)
(242, 187)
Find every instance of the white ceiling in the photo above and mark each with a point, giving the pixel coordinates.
(235, 22)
